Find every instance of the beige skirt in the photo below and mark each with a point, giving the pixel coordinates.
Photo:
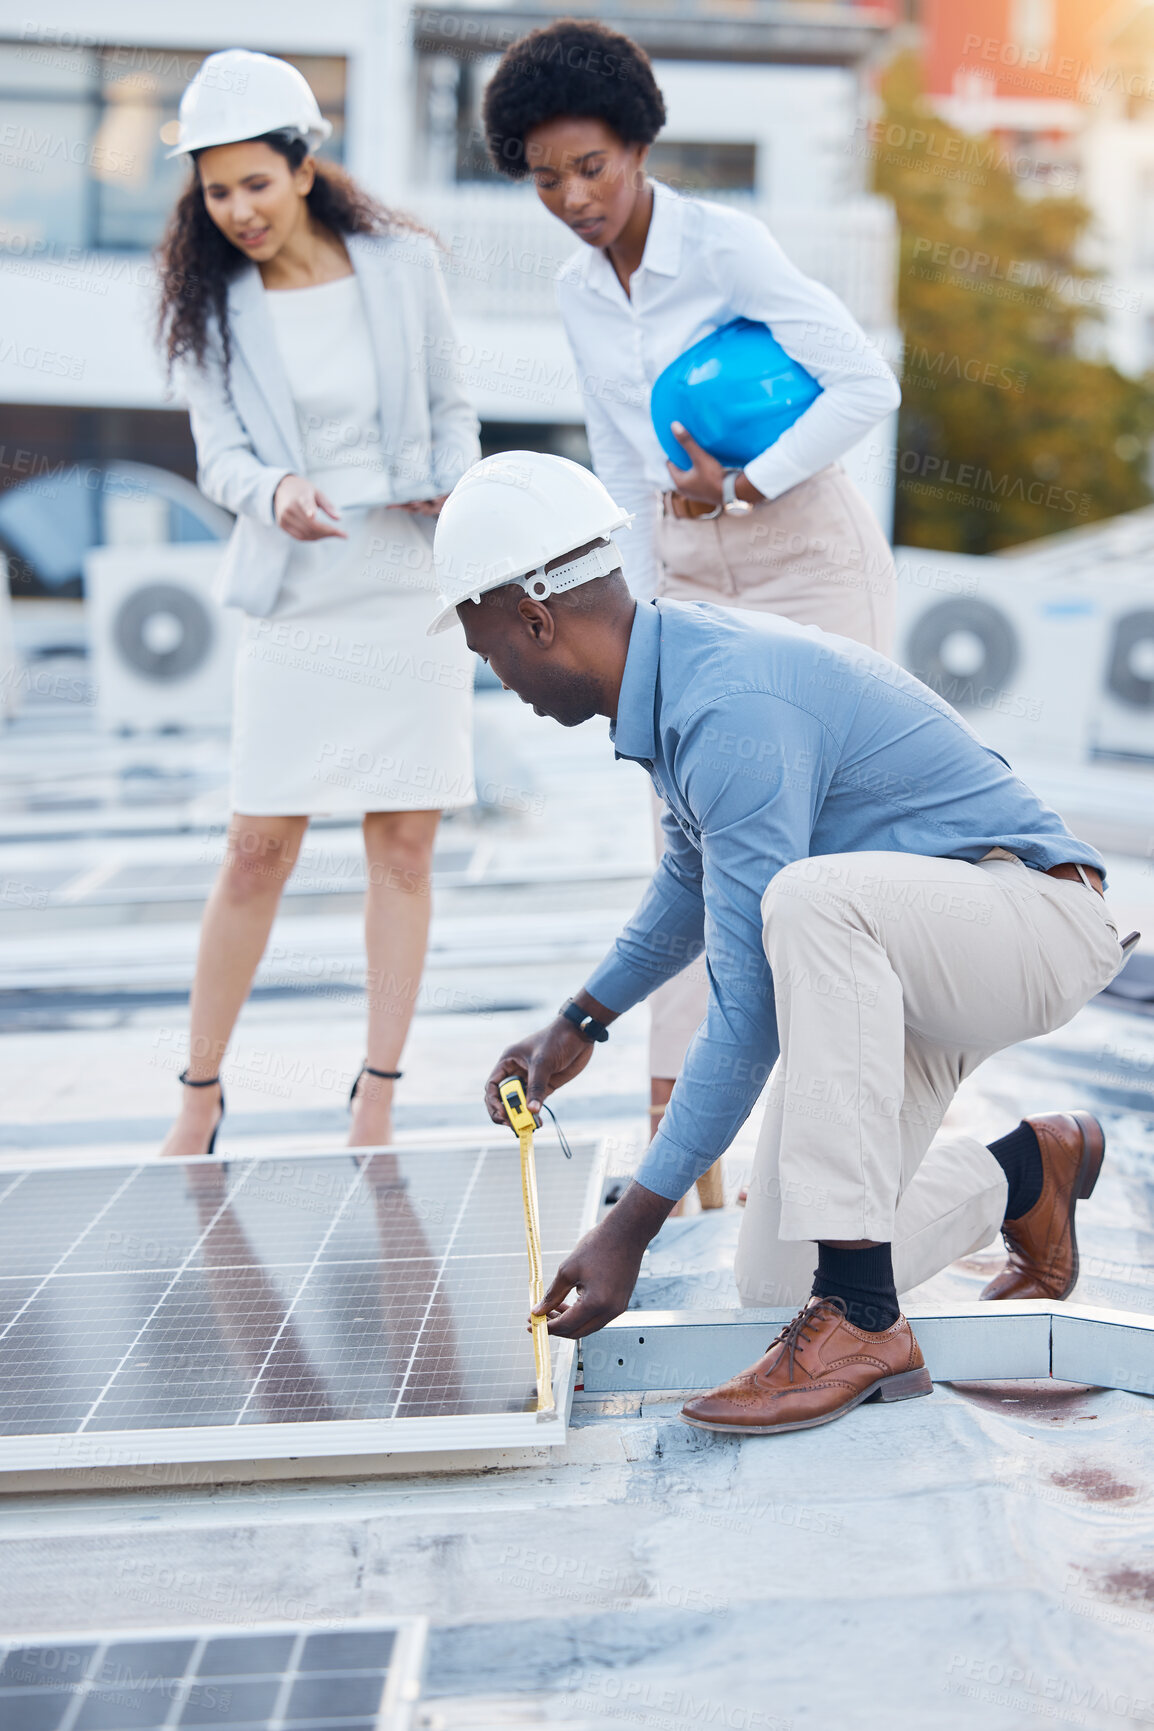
(815, 555)
(343, 704)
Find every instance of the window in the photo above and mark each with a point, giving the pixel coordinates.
(450, 94)
(83, 151)
(704, 167)
(61, 469)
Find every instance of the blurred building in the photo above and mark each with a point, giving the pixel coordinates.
(1068, 87)
(763, 96)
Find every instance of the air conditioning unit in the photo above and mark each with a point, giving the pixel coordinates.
(1018, 654)
(10, 660)
(162, 648)
(1124, 723)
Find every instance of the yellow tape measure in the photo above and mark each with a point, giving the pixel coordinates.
(518, 1113)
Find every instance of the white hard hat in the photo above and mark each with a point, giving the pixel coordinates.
(237, 94)
(508, 516)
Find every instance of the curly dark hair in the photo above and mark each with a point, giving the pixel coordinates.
(573, 67)
(196, 262)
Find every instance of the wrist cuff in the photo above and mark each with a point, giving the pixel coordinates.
(587, 1026)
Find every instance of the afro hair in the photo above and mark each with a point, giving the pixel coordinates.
(575, 67)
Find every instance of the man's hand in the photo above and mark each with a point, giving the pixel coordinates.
(295, 505)
(603, 1267)
(702, 480)
(544, 1061)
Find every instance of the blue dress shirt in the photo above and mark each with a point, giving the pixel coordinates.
(771, 742)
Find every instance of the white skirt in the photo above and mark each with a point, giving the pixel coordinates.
(343, 704)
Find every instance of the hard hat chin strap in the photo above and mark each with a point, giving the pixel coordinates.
(598, 562)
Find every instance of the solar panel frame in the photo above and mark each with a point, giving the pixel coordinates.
(403, 1672)
(90, 1444)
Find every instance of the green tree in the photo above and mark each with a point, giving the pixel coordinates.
(1007, 432)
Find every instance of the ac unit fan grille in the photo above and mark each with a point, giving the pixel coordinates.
(1133, 646)
(192, 647)
(977, 619)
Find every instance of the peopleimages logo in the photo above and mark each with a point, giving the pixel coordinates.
(117, 59)
(927, 368)
(1030, 1688)
(1089, 80)
(1033, 275)
(38, 360)
(954, 156)
(973, 478)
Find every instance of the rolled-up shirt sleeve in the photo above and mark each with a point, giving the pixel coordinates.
(859, 389)
(755, 772)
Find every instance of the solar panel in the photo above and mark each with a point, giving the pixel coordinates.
(296, 1305)
(269, 1677)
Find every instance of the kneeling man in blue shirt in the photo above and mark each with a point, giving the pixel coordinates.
(882, 903)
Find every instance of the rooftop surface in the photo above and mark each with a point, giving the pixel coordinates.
(983, 1556)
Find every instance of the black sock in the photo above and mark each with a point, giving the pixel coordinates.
(864, 1279)
(1020, 1158)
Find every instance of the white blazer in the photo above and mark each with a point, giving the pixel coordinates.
(246, 430)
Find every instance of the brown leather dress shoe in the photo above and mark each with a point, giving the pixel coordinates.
(1043, 1259)
(818, 1368)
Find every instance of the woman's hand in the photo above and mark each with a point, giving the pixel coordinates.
(544, 1061)
(422, 507)
(702, 480)
(295, 505)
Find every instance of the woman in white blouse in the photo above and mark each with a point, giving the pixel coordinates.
(575, 106)
(302, 317)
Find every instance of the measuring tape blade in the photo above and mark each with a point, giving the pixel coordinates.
(517, 1111)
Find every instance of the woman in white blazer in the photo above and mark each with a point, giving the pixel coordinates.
(310, 329)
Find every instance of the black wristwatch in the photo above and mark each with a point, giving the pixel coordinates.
(587, 1025)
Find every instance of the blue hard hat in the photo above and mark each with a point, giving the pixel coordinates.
(736, 391)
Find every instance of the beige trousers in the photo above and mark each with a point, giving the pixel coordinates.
(817, 556)
(895, 975)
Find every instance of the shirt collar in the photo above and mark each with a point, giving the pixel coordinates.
(633, 733)
(662, 253)
(663, 242)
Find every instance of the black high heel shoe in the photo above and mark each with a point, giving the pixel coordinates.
(382, 1076)
(212, 1082)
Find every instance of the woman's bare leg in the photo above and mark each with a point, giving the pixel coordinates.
(398, 903)
(258, 862)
